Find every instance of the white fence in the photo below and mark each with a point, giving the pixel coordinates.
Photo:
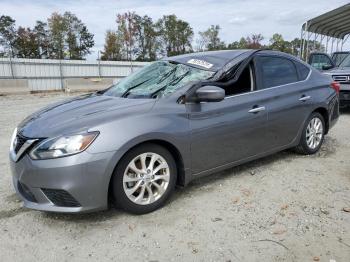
(42, 74)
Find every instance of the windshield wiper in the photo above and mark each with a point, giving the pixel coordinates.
(173, 82)
(166, 75)
(127, 91)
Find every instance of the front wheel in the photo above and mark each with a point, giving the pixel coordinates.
(313, 135)
(144, 179)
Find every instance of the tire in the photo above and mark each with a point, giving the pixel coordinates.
(133, 184)
(306, 148)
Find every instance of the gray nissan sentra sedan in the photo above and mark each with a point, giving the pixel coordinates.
(170, 122)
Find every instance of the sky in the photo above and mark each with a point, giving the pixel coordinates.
(236, 18)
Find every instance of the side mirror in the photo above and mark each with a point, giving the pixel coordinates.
(327, 67)
(210, 94)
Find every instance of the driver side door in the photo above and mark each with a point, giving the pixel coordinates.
(226, 132)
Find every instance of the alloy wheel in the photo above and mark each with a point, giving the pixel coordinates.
(314, 133)
(146, 178)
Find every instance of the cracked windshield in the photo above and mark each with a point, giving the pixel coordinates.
(157, 80)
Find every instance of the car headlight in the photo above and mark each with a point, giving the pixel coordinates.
(63, 146)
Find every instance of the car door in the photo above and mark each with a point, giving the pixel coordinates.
(227, 131)
(290, 98)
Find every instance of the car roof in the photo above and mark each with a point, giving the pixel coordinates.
(210, 60)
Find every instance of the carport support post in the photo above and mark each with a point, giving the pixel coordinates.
(307, 45)
(315, 38)
(327, 43)
(343, 42)
(337, 44)
(322, 37)
(301, 44)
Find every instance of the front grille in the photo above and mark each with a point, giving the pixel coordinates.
(341, 78)
(25, 192)
(60, 197)
(20, 142)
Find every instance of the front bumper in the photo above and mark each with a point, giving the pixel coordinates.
(344, 95)
(72, 184)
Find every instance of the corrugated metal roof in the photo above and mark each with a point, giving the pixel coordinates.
(335, 23)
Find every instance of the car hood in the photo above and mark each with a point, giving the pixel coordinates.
(80, 114)
(339, 71)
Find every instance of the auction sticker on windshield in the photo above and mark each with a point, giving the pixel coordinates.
(199, 62)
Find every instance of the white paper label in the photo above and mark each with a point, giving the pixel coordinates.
(199, 62)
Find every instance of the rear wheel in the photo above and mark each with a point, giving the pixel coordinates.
(313, 135)
(144, 179)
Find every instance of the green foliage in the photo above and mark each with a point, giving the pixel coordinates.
(210, 40)
(7, 34)
(175, 35)
(139, 38)
(26, 43)
(113, 47)
(42, 38)
(69, 37)
(63, 36)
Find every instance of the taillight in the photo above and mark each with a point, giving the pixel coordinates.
(335, 86)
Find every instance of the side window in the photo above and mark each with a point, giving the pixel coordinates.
(303, 70)
(276, 71)
(244, 84)
(318, 61)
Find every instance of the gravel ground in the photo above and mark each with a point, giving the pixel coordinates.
(284, 207)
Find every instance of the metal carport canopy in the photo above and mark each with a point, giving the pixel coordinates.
(335, 23)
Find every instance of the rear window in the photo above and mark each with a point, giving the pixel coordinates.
(303, 71)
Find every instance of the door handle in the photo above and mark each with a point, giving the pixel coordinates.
(304, 98)
(256, 109)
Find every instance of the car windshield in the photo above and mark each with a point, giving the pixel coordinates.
(156, 80)
(339, 57)
(346, 62)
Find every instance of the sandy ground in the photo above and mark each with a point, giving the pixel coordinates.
(284, 207)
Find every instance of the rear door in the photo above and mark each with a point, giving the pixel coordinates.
(287, 107)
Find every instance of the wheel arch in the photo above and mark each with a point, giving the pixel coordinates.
(324, 113)
(174, 151)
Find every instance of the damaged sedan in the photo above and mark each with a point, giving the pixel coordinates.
(172, 121)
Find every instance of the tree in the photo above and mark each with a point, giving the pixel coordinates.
(278, 43)
(175, 35)
(8, 34)
(42, 37)
(295, 45)
(78, 39)
(68, 36)
(146, 38)
(241, 44)
(113, 47)
(209, 39)
(57, 28)
(254, 41)
(26, 43)
(127, 28)
(86, 42)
